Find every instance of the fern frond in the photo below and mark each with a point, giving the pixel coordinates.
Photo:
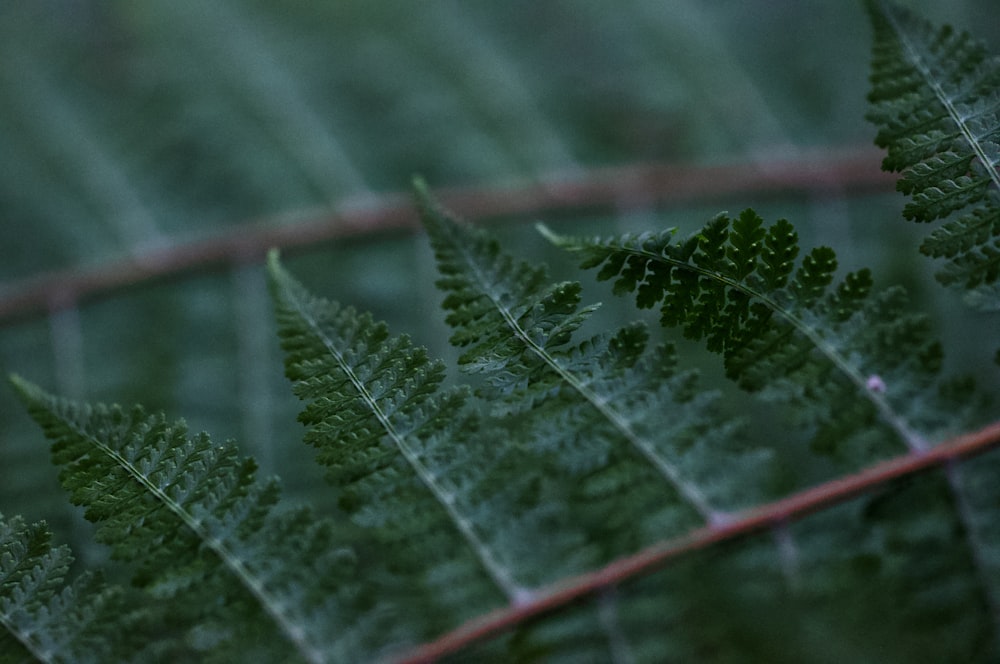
(46, 618)
(596, 404)
(194, 523)
(406, 455)
(935, 100)
(846, 355)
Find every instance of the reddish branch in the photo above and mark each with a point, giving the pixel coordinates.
(635, 186)
(761, 518)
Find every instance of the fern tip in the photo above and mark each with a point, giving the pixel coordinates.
(549, 234)
(427, 207)
(275, 270)
(27, 390)
(421, 192)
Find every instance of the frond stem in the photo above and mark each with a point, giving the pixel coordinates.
(829, 171)
(755, 520)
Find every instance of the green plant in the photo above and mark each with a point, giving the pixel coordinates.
(935, 100)
(580, 497)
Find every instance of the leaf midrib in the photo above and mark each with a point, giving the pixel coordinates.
(498, 573)
(273, 605)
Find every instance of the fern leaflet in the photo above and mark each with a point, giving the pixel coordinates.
(176, 507)
(43, 614)
(834, 350)
(936, 100)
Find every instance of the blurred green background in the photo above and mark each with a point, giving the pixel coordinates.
(127, 127)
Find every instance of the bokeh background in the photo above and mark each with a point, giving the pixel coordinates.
(129, 128)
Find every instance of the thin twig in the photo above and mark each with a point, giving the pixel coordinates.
(763, 517)
(829, 172)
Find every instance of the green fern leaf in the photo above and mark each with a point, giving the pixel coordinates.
(833, 350)
(47, 619)
(935, 100)
(408, 458)
(195, 524)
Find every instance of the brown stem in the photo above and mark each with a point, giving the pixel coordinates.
(830, 172)
(769, 515)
